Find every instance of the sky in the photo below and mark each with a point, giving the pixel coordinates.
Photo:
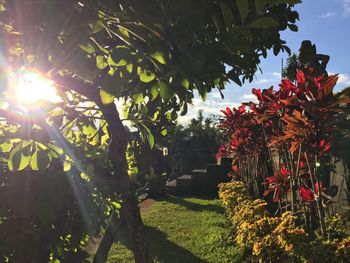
(325, 22)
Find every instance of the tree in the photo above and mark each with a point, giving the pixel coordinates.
(291, 68)
(194, 146)
(145, 52)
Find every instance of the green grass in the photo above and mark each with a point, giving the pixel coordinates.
(183, 230)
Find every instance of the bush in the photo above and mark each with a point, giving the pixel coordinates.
(279, 239)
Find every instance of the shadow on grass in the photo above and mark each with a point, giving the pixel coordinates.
(162, 249)
(194, 206)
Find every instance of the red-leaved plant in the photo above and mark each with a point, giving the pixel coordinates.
(290, 128)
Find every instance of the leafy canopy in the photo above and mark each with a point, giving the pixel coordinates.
(146, 49)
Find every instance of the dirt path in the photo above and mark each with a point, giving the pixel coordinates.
(146, 204)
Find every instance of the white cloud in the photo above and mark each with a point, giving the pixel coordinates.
(262, 81)
(346, 7)
(211, 106)
(215, 94)
(277, 75)
(249, 97)
(328, 14)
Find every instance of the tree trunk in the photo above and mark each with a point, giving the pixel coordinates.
(117, 155)
(107, 240)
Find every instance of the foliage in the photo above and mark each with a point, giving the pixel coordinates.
(52, 211)
(151, 55)
(48, 198)
(278, 239)
(291, 68)
(194, 146)
(293, 129)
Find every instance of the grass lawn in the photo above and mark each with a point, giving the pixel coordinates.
(183, 230)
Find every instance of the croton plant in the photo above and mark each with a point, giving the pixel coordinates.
(279, 144)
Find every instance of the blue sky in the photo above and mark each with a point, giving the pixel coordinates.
(325, 22)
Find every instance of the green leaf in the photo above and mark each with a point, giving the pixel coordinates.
(15, 158)
(147, 76)
(164, 132)
(293, 27)
(57, 149)
(165, 91)
(88, 48)
(88, 130)
(184, 109)
(119, 63)
(217, 23)
(185, 83)
(174, 115)
(100, 62)
(242, 8)
(25, 160)
(124, 32)
(264, 22)
(34, 161)
(260, 5)
(106, 97)
(159, 56)
(154, 91)
(115, 205)
(6, 146)
(149, 136)
(119, 56)
(227, 14)
(129, 68)
(97, 26)
(138, 98)
(66, 166)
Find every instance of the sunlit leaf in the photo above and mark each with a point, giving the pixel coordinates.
(6, 146)
(25, 160)
(106, 97)
(154, 91)
(185, 83)
(138, 98)
(115, 205)
(15, 158)
(147, 76)
(34, 161)
(159, 56)
(119, 56)
(149, 136)
(100, 62)
(88, 48)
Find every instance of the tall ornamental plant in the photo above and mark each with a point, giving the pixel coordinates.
(290, 130)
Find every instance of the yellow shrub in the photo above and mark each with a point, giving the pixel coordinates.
(279, 239)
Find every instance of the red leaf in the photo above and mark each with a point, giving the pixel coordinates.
(300, 77)
(306, 194)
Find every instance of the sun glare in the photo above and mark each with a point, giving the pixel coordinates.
(28, 87)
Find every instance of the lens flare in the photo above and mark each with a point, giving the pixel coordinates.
(29, 87)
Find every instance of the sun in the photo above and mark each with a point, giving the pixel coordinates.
(28, 87)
